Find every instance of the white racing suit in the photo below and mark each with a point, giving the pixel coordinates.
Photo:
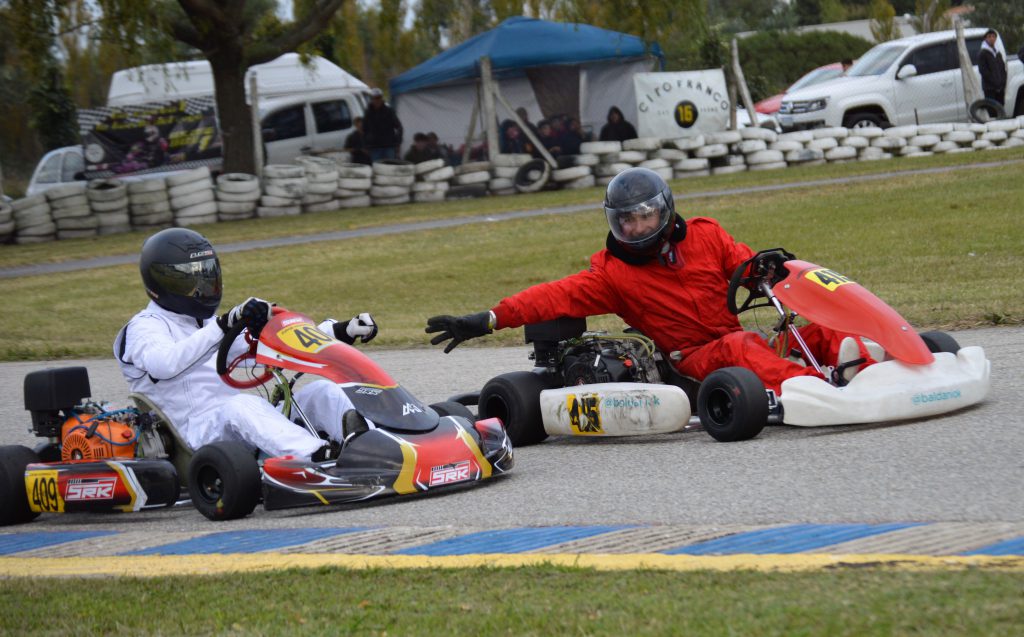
(171, 360)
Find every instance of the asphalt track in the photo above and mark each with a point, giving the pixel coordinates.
(938, 493)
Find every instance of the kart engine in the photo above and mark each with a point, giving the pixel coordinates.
(599, 358)
(98, 435)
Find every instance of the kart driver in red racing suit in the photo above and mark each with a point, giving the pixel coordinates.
(167, 353)
(662, 275)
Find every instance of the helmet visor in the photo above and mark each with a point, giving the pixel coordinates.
(639, 223)
(197, 280)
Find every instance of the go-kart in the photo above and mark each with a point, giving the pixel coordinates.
(600, 384)
(96, 459)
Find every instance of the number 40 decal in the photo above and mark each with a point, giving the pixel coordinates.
(305, 337)
(826, 278)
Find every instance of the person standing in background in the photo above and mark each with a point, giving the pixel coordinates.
(992, 67)
(382, 131)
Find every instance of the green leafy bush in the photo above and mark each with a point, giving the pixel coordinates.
(772, 60)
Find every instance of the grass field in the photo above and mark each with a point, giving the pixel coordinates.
(938, 247)
(522, 601)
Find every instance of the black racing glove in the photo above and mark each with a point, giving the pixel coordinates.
(253, 313)
(459, 328)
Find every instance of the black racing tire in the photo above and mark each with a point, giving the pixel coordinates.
(940, 342)
(532, 176)
(864, 120)
(14, 507)
(224, 480)
(452, 408)
(47, 452)
(732, 404)
(514, 398)
(986, 110)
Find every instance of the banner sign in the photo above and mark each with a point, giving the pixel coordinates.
(152, 137)
(681, 104)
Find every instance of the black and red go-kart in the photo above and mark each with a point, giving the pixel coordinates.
(132, 459)
(598, 384)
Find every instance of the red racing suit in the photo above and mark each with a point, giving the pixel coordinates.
(679, 302)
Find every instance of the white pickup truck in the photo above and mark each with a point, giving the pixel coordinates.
(913, 80)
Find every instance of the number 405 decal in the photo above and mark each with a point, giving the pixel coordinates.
(826, 278)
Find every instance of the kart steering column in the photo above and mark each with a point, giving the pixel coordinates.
(766, 289)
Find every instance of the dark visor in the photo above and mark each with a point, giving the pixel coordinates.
(199, 280)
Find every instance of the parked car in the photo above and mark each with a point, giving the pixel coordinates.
(770, 105)
(913, 80)
(57, 167)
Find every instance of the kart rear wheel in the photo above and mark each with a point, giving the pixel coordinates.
(224, 480)
(14, 507)
(732, 404)
(940, 342)
(452, 408)
(514, 398)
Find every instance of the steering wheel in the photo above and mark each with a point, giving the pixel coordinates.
(764, 264)
(224, 368)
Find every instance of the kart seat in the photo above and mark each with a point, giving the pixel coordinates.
(180, 453)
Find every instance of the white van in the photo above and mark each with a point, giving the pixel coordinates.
(304, 109)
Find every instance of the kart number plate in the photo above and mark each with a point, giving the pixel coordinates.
(305, 337)
(43, 491)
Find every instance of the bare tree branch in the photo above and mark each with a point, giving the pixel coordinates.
(302, 31)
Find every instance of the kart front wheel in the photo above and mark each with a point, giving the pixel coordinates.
(224, 480)
(14, 507)
(732, 404)
(938, 342)
(514, 398)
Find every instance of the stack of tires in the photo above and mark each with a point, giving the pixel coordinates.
(32, 220)
(607, 159)
(192, 197)
(392, 182)
(149, 207)
(433, 180)
(689, 166)
(504, 169)
(426, 191)
(284, 186)
(237, 194)
(6, 222)
(354, 183)
(470, 180)
(575, 171)
(69, 208)
(321, 184)
(108, 199)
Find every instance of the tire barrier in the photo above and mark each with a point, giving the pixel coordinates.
(332, 184)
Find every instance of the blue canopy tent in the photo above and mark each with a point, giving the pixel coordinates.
(545, 67)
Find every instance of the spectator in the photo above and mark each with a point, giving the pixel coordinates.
(442, 151)
(355, 144)
(993, 69)
(523, 115)
(420, 151)
(617, 129)
(548, 138)
(846, 63)
(572, 137)
(512, 138)
(381, 129)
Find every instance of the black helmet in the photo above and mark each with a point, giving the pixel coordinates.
(639, 207)
(181, 272)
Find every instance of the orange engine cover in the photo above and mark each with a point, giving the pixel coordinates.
(76, 445)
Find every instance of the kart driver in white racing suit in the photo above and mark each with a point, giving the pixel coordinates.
(167, 352)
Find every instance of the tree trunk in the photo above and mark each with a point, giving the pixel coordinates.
(232, 112)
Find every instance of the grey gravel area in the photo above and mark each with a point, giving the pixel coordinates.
(962, 467)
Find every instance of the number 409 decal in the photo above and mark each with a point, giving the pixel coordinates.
(826, 278)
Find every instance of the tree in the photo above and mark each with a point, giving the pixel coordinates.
(930, 15)
(231, 35)
(883, 21)
(1005, 16)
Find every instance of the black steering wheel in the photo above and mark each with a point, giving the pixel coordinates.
(224, 368)
(766, 265)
